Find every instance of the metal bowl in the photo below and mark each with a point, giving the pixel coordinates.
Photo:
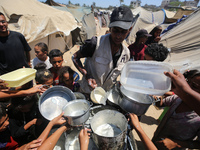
(52, 101)
(77, 112)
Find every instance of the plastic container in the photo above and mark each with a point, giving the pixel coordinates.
(98, 96)
(146, 77)
(19, 77)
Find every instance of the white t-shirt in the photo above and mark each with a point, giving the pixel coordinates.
(37, 61)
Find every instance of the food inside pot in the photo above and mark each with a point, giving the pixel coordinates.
(108, 130)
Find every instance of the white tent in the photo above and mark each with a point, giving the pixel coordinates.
(184, 42)
(146, 20)
(39, 23)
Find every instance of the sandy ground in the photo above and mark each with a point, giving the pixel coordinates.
(148, 121)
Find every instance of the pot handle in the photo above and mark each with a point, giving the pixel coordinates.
(158, 99)
(91, 104)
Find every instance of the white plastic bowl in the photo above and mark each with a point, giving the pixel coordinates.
(19, 77)
(146, 77)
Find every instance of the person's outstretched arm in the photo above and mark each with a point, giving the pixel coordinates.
(144, 138)
(50, 142)
(84, 139)
(181, 88)
(56, 121)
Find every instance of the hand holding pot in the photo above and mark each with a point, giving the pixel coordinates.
(134, 121)
(58, 120)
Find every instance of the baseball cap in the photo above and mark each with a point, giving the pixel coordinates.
(121, 17)
(142, 33)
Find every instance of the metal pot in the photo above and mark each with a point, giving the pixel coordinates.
(133, 102)
(116, 122)
(113, 96)
(77, 112)
(52, 101)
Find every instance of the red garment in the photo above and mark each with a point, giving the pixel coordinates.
(55, 76)
(12, 144)
(137, 52)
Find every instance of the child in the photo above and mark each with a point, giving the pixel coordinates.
(66, 78)
(43, 76)
(56, 59)
(41, 51)
(181, 124)
(138, 47)
(156, 52)
(155, 38)
(23, 114)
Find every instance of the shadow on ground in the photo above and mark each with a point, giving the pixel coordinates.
(148, 120)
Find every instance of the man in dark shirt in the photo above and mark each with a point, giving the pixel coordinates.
(14, 49)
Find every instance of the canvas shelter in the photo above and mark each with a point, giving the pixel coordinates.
(146, 20)
(184, 42)
(84, 17)
(40, 23)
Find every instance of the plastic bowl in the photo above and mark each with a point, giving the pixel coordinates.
(98, 96)
(146, 77)
(18, 77)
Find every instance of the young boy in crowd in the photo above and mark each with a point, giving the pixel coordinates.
(156, 52)
(56, 59)
(41, 51)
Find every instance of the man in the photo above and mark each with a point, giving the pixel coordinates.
(14, 50)
(106, 55)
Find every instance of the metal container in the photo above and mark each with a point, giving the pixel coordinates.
(117, 127)
(77, 112)
(133, 102)
(52, 101)
(113, 96)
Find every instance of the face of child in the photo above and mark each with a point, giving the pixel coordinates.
(49, 83)
(39, 54)
(195, 83)
(4, 122)
(68, 79)
(57, 62)
(143, 40)
(157, 33)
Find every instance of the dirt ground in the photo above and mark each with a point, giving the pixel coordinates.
(148, 121)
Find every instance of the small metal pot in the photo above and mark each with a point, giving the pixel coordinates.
(77, 112)
(114, 118)
(133, 102)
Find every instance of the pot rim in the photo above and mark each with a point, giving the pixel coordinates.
(75, 101)
(134, 100)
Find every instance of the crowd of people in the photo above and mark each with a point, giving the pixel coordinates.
(23, 127)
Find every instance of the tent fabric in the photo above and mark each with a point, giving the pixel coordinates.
(146, 20)
(184, 42)
(37, 20)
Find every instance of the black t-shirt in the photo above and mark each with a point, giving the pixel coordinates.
(87, 50)
(12, 52)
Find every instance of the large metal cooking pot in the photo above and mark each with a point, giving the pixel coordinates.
(133, 102)
(52, 101)
(77, 112)
(109, 129)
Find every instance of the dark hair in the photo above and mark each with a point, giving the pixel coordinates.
(63, 70)
(55, 53)
(43, 46)
(40, 66)
(43, 75)
(1, 14)
(191, 74)
(2, 110)
(157, 51)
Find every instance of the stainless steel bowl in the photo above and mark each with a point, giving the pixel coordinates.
(52, 101)
(77, 112)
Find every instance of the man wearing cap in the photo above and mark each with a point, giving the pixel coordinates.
(138, 47)
(106, 55)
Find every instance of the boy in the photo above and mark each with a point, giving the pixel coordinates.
(56, 59)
